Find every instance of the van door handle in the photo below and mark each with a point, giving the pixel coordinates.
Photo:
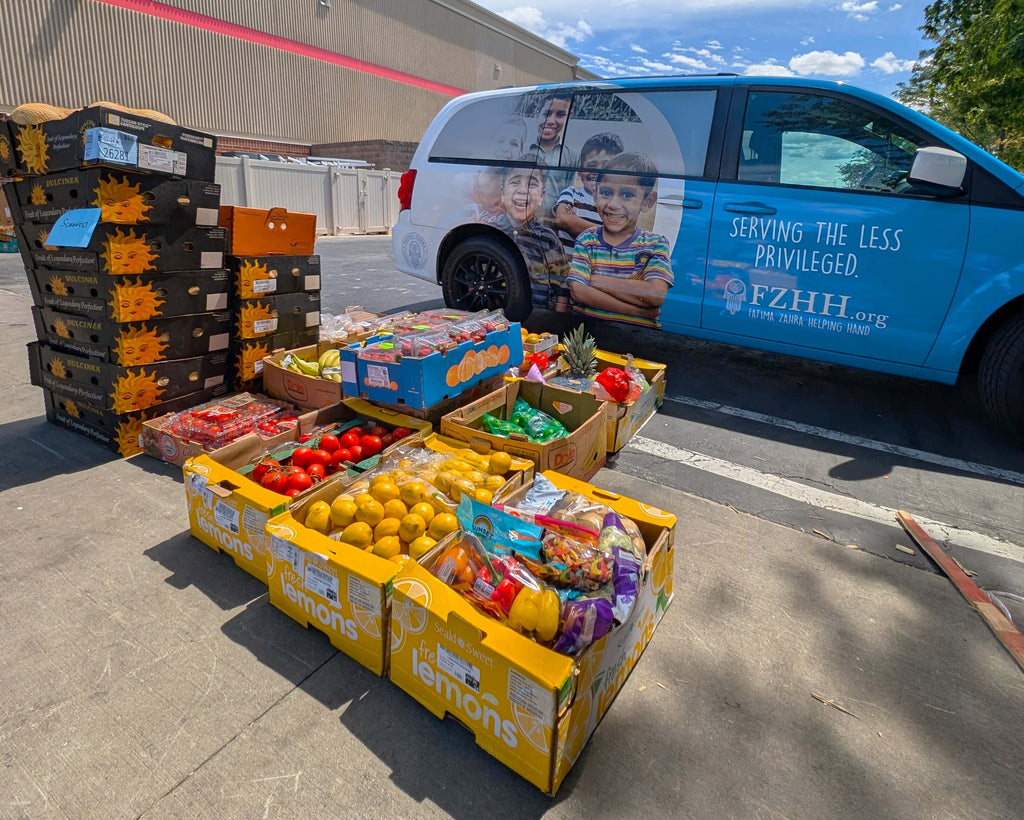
(691, 204)
(748, 208)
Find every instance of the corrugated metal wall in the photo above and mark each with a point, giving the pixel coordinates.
(73, 52)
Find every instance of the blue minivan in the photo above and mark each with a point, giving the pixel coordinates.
(802, 217)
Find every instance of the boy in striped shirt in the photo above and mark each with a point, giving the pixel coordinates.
(620, 271)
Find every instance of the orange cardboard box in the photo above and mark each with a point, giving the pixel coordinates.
(258, 232)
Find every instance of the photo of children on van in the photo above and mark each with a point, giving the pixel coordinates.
(580, 219)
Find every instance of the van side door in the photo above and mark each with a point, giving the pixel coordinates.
(818, 240)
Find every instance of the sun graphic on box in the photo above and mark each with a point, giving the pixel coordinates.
(245, 367)
(249, 315)
(33, 148)
(248, 274)
(120, 202)
(57, 286)
(129, 436)
(134, 301)
(128, 253)
(60, 327)
(139, 345)
(38, 196)
(57, 369)
(136, 391)
(5, 149)
(71, 408)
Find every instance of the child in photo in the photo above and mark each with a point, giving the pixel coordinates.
(620, 271)
(508, 143)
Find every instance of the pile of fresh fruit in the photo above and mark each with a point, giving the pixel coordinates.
(423, 334)
(328, 366)
(321, 455)
(217, 423)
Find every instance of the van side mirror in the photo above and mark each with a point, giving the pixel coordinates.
(939, 168)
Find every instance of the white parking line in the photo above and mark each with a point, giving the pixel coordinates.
(824, 499)
(834, 435)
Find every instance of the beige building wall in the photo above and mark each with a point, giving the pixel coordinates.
(73, 52)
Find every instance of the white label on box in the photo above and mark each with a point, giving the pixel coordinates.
(311, 283)
(264, 325)
(528, 696)
(219, 341)
(364, 595)
(198, 484)
(348, 372)
(213, 381)
(313, 319)
(211, 259)
(163, 160)
(216, 301)
(257, 367)
(377, 375)
(226, 517)
(462, 670)
(283, 550)
(109, 145)
(207, 217)
(321, 583)
(264, 286)
(253, 520)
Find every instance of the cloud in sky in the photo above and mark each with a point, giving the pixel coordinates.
(827, 63)
(767, 69)
(532, 19)
(890, 64)
(858, 11)
(895, 7)
(638, 49)
(806, 41)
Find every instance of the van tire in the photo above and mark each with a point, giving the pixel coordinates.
(1001, 377)
(480, 273)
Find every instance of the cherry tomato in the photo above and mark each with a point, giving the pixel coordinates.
(276, 482)
(292, 493)
(387, 440)
(305, 437)
(320, 457)
(356, 451)
(317, 472)
(299, 481)
(294, 469)
(358, 430)
(262, 468)
(400, 432)
(301, 457)
(329, 443)
(371, 445)
(379, 431)
(349, 438)
(339, 457)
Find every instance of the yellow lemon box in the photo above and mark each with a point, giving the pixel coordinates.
(335, 587)
(626, 418)
(530, 707)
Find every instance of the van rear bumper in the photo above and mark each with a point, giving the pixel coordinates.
(413, 249)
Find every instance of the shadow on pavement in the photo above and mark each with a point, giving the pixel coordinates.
(34, 450)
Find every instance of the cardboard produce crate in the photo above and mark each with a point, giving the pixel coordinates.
(528, 706)
(134, 343)
(123, 389)
(259, 232)
(122, 197)
(268, 315)
(249, 355)
(131, 298)
(100, 136)
(120, 432)
(626, 419)
(580, 454)
(257, 276)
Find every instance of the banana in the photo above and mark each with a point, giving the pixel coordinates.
(329, 358)
(306, 368)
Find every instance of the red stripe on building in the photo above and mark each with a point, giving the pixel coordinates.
(191, 18)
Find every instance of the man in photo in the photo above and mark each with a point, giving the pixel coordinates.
(620, 271)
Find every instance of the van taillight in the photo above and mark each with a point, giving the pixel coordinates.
(405, 190)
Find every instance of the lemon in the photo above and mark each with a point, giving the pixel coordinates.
(461, 487)
(499, 463)
(424, 510)
(413, 492)
(443, 480)
(532, 338)
(387, 547)
(381, 477)
(387, 526)
(476, 477)
(370, 511)
(384, 491)
(319, 517)
(395, 509)
(484, 496)
(493, 482)
(442, 525)
(421, 545)
(358, 534)
(343, 511)
(412, 527)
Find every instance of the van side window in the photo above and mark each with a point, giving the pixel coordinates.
(825, 142)
(671, 128)
(491, 130)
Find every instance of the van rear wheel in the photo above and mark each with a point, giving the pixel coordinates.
(1001, 377)
(483, 274)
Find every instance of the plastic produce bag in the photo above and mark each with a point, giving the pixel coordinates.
(500, 427)
(539, 426)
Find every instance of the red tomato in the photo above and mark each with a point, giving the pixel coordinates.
(293, 470)
(317, 472)
(262, 469)
(299, 481)
(320, 457)
(339, 457)
(387, 440)
(379, 431)
(400, 432)
(301, 457)
(276, 482)
(329, 443)
(358, 430)
(371, 445)
(349, 438)
(292, 493)
(356, 451)
(305, 437)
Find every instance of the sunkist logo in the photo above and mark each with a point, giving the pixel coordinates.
(424, 667)
(329, 617)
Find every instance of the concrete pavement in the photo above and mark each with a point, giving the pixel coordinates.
(146, 675)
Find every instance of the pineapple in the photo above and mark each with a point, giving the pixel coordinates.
(579, 353)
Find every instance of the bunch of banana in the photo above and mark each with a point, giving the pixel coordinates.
(328, 366)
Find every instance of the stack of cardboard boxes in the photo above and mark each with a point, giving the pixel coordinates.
(275, 289)
(116, 217)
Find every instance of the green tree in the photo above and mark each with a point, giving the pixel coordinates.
(972, 80)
